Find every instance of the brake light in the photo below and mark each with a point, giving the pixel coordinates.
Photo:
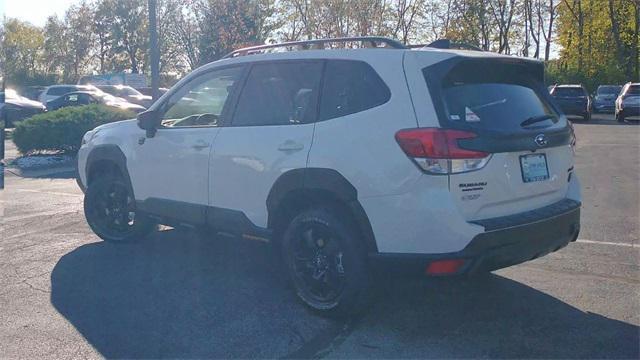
(444, 267)
(436, 151)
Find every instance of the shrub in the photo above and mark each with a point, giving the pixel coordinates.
(62, 130)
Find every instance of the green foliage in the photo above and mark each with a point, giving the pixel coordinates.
(21, 47)
(599, 43)
(62, 130)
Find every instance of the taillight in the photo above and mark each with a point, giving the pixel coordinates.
(436, 151)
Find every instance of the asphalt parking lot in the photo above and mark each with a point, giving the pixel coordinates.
(66, 294)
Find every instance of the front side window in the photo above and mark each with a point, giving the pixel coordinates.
(73, 98)
(281, 93)
(200, 102)
(351, 87)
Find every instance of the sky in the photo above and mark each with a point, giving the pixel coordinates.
(34, 11)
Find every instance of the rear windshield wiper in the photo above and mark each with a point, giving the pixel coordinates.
(536, 119)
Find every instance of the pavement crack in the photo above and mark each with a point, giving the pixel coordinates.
(33, 287)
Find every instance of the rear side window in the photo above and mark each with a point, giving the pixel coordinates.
(281, 93)
(60, 90)
(351, 87)
(499, 97)
(569, 92)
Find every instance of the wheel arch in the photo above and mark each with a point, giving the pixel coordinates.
(298, 189)
(106, 160)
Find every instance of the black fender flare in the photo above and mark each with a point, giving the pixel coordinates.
(111, 153)
(326, 180)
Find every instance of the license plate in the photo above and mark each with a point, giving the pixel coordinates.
(534, 167)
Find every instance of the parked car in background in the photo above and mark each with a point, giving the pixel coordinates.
(55, 91)
(32, 92)
(628, 102)
(17, 108)
(79, 98)
(148, 91)
(605, 98)
(573, 100)
(128, 93)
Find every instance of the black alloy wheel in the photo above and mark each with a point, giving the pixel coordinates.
(110, 210)
(326, 263)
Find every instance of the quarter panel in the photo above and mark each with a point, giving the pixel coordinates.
(362, 146)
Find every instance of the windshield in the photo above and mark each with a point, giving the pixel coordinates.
(11, 94)
(568, 92)
(609, 90)
(126, 91)
(106, 97)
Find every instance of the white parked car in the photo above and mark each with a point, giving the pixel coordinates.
(628, 102)
(436, 161)
(55, 91)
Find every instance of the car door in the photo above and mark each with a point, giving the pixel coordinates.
(170, 170)
(270, 133)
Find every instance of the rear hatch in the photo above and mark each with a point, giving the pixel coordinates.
(570, 97)
(503, 106)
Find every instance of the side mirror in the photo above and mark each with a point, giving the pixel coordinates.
(149, 121)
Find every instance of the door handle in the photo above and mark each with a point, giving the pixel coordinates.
(290, 145)
(199, 145)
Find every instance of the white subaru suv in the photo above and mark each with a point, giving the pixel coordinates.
(434, 161)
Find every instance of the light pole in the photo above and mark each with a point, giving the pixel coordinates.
(155, 52)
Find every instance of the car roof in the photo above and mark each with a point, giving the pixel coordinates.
(355, 54)
(67, 85)
(569, 86)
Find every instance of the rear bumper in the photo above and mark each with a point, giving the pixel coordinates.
(604, 106)
(571, 109)
(507, 241)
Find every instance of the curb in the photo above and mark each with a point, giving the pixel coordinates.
(37, 173)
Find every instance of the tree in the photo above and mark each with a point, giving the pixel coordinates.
(102, 28)
(503, 11)
(228, 24)
(79, 20)
(22, 47)
(129, 29)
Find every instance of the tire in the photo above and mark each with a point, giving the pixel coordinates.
(620, 117)
(109, 208)
(586, 116)
(326, 263)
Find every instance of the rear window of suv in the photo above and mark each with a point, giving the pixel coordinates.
(498, 98)
(633, 90)
(609, 90)
(569, 92)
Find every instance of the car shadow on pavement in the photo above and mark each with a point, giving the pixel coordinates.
(604, 121)
(175, 295)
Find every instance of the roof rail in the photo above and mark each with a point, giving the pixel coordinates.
(448, 44)
(318, 44)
